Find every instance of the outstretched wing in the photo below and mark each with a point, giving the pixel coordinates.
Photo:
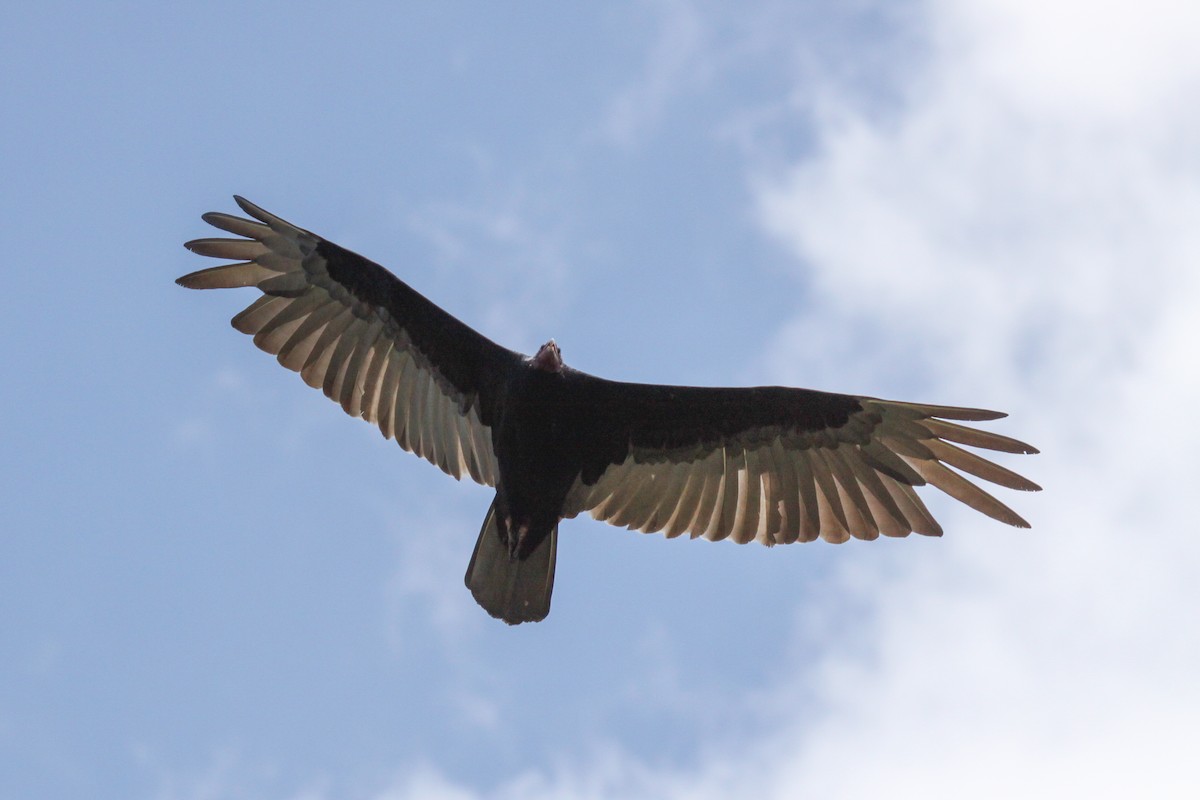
(778, 465)
(364, 337)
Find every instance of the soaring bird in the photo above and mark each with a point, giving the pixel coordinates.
(769, 464)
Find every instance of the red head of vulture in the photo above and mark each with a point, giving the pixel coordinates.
(769, 464)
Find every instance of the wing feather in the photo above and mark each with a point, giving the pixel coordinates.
(689, 500)
(770, 523)
(430, 433)
(343, 353)
(259, 313)
(295, 351)
(979, 467)
(963, 490)
(406, 419)
(354, 388)
(883, 507)
(237, 225)
(834, 526)
(481, 436)
(668, 497)
(750, 500)
(974, 437)
(404, 397)
(886, 462)
(314, 369)
(635, 487)
(785, 495)
(270, 337)
(390, 392)
(810, 520)
(708, 512)
(732, 496)
(372, 387)
(824, 476)
(865, 526)
(229, 276)
(466, 446)
(233, 249)
(915, 512)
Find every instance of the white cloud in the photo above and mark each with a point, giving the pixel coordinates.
(1101, 60)
(1024, 228)
(1028, 226)
(426, 784)
(671, 66)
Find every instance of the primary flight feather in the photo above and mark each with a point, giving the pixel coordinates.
(769, 464)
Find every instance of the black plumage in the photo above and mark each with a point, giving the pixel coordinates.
(768, 464)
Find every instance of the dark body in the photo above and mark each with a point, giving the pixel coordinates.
(769, 464)
(561, 429)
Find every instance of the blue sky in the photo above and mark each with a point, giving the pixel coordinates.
(214, 584)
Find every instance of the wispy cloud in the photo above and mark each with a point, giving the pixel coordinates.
(510, 245)
(671, 66)
(429, 573)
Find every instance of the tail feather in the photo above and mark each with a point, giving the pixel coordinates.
(515, 590)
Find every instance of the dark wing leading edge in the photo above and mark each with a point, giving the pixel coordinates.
(778, 465)
(368, 340)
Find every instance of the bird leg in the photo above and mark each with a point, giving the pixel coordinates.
(515, 542)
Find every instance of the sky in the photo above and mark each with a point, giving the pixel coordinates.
(214, 584)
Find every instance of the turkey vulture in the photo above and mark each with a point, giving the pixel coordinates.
(768, 464)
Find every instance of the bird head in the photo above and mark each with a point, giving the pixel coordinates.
(548, 358)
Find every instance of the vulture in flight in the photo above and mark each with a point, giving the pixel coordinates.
(768, 464)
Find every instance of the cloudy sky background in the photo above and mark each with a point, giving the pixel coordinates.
(215, 585)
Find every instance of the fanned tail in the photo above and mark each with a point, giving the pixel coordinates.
(513, 589)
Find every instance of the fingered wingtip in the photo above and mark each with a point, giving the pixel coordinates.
(262, 215)
(244, 204)
(252, 209)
